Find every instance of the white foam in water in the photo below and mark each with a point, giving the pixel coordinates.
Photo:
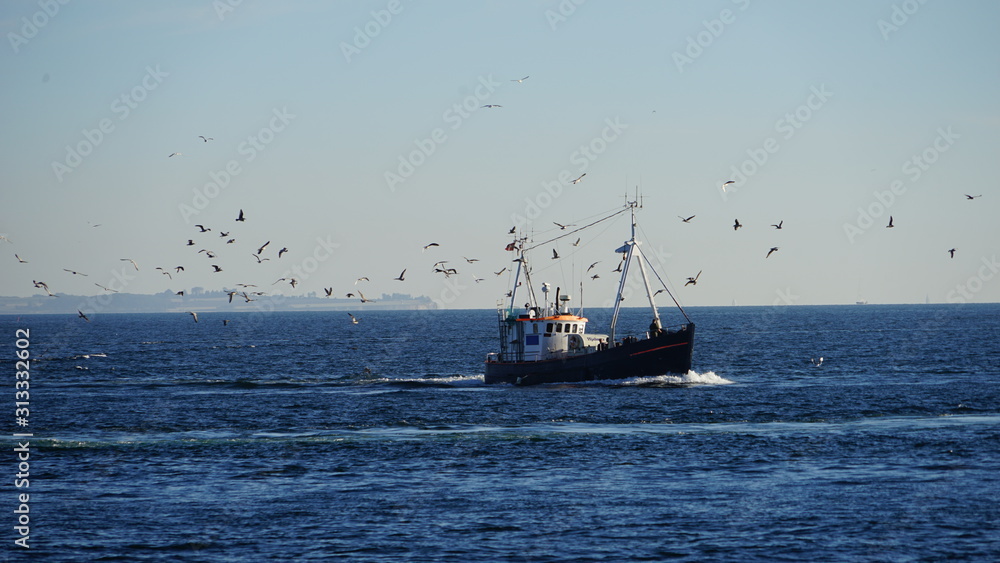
(690, 378)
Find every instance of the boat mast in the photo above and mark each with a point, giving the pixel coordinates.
(629, 249)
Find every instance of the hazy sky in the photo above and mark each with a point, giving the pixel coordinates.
(352, 134)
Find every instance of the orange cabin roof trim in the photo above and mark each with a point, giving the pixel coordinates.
(555, 318)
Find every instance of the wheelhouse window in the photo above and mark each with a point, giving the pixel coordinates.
(548, 327)
(559, 327)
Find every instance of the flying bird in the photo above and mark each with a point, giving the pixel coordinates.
(134, 265)
(217, 268)
(470, 260)
(591, 267)
(890, 225)
(361, 279)
(688, 220)
(555, 255)
(694, 280)
(74, 272)
(241, 218)
(426, 246)
(193, 315)
(164, 272)
(354, 320)
(190, 243)
(106, 288)
(561, 226)
(205, 139)
(492, 106)
(82, 316)
(282, 251)
(772, 251)
(780, 223)
(174, 154)
(262, 247)
(203, 228)
(502, 270)
(512, 230)
(520, 80)
(730, 182)
(816, 362)
(329, 291)
(737, 225)
(577, 243)
(364, 299)
(223, 234)
(578, 178)
(259, 259)
(594, 277)
(967, 196)
(19, 259)
(181, 293)
(400, 278)
(952, 252)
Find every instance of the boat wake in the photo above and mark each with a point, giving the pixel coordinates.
(690, 378)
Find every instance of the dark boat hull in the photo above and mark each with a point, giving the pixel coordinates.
(670, 352)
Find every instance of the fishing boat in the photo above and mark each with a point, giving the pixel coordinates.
(548, 343)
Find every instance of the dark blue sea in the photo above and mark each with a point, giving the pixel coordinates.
(302, 437)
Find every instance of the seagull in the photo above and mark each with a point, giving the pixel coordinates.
(208, 253)
(241, 218)
(504, 269)
(363, 299)
(282, 251)
(430, 245)
(737, 225)
(329, 291)
(225, 322)
(477, 279)
(492, 106)
(231, 241)
(967, 196)
(74, 273)
(194, 315)
(203, 229)
(361, 279)
(594, 277)
(952, 252)
(134, 265)
(577, 243)
(780, 223)
(561, 226)
(82, 316)
(591, 267)
(471, 260)
(106, 288)
(19, 259)
(217, 268)
(354, 320)
(164, 272)
(206, 139)
(44, 286)
(223, 234)
(181, 293)
(578, 178)
(512, 230)
(555, 255)
(400, 278)
(262, 247)
(816, 362)
(231, 294)
(3, 237)
(694, 280)
(439, 263)
(190, 243)
(890, 225)
(259, 259)
(658, 291)
(174, 154)
(520, 80)
(688, 220)
(727, 184)
(772, 251)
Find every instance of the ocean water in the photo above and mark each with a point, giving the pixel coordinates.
(299, 436)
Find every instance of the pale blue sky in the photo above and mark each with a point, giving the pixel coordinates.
(337, 124)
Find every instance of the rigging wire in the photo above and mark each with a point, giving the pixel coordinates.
(578, 229)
